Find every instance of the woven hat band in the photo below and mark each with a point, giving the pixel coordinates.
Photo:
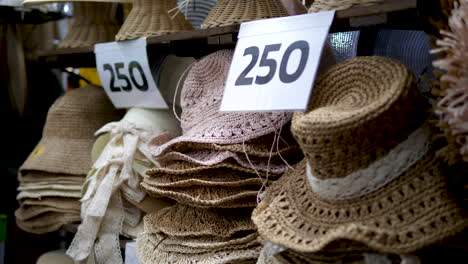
(378, 174)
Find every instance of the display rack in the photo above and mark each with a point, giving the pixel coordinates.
(397, 14)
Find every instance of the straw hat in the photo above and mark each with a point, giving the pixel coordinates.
(201, 98)
(324, 5)
(68, 134)
(47, 222)
(228, 12)
(93, 23)
(370, 173)
(152, 18)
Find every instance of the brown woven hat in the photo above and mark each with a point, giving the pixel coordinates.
(93, 23)
(228, 12)
(68, 135)
(25, 212)
(370, 173)
(324, 5)
(47, 222)
(152, 18)
(187, 221)
(201, 120)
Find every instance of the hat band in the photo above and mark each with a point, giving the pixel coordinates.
(377, 174)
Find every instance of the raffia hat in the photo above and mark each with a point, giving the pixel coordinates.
(152, 18)
(370, 173)
(228, 12)
(324, 5)
(201, 120)
(68, 134)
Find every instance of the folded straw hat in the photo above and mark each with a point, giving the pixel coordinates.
(93, 23)
(152, 18)
(68, 135)
(38, 2)
(324, 5)
(370, 173)
(201, 120)
(228, 12)
(184, 221)
(47, 222)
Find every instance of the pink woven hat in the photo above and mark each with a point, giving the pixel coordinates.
(201, 120)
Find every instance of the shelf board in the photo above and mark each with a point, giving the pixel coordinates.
(399, 14)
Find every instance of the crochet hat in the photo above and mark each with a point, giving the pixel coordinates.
(201, 98)
(370, 173)
(152, 18)
(228, 12)
(324, 5)
(68, 135)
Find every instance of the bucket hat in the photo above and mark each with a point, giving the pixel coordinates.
(228, 12)
(68, 135)
(324, 5)
(201, 120)
(152, 18)
(370, 175)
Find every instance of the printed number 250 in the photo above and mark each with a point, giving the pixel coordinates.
(284, 76)
(132, 67)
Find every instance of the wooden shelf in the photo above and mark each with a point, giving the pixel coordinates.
(397, 14)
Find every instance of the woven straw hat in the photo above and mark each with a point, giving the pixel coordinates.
(68, 134)
(324, 5)
(93, 23)
(47, 222)
(152, 18)
(370, 175)
(201, 98)
(228, 12)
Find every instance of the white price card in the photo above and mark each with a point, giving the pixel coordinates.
(126, 76)
(275, 63)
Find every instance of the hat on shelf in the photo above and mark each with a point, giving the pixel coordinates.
(229, 12)
(196, 11)
(201, 120)
(324, 5)
(152, 18)
(370, 173)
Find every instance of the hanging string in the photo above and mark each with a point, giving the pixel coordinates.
(278, 151)
(177, 89)
(183, 5)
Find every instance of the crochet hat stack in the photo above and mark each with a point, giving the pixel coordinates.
(215, 169)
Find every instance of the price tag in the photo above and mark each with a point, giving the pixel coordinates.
(126, 76)
(275, 63)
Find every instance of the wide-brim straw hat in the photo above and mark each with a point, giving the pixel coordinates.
(201, 120)
(152, 18)
(93, 23)
(229, 12)
(47, 222)
(186, 221)
(324, 5)
(370, 173)
(68, 135)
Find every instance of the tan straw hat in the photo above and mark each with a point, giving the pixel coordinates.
(68, 135)
(370, 173)
(324, 5)
(201, 98)
(92, 23)
(228, 12)
(152, 18)
(47, 222)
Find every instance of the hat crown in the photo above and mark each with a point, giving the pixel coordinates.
(79, 113)
(359, 111)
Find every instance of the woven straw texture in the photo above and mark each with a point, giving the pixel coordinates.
(151, 18)
(47, 222)
(324, 5)
(93, 23)
(228, 12)
(201, 120)
(410, 211)
(68, 134)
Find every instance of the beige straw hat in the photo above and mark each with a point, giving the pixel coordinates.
(68, 135)
(228, 12)
(47, 222)
(152, 18)
(92, 23)
(324, 5)
(370, 173)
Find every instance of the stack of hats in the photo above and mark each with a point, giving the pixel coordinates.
(152, 18)
(52, 176)
(112, 192)
(215, 170)
(371, 188)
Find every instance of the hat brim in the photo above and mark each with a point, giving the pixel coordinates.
(410, 212)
